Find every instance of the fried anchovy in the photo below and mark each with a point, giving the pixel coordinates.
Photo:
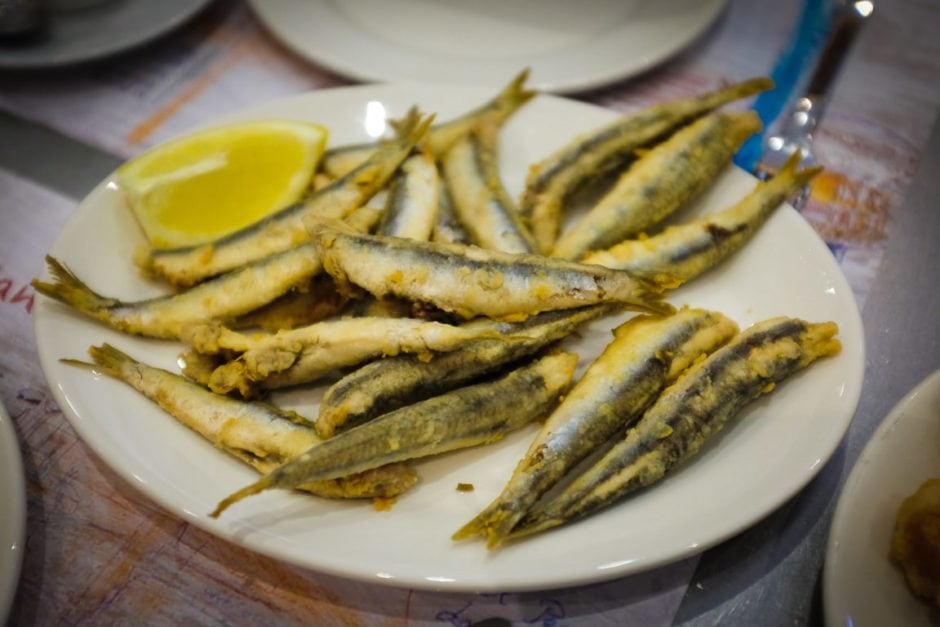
(646, 355)
(223, 298)
(688, 413)
(471, 281)
(682, 252)
(447, 229)
(308, 353)
(411, 212)
(473, 415)
(552, 181)
(287, 228)
(660, 182)
(413, 199)
(393, 382)
(258, 434)
(482, 205)
(339, 161)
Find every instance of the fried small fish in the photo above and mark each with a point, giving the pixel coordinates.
(258, 434)
(482, 205)
(410, 212)
(387, 384)
(471, 281)
(469, 416)
(552, 181)
(305, 354)
(223, 298)
(682, 252)
(413, 199)
(447, 228)
(659, 182)
(646, 354)
(689, 412)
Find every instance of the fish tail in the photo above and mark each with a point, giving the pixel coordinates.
(413, 126)
(730, 93)
(757, 84)
(746, 123)
(494, 523)
(745, 88)
(791, 176)
(110, 358)
(258, 486)
(805, 175)
(472, 529)
(790, 166)
(106, 359)
(78, 363)
(69, 289)
(532, 525)
(515, 94)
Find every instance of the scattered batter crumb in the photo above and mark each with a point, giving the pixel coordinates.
(382, 504)
(465, 487)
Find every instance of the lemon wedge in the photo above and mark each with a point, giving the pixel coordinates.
(203, 186)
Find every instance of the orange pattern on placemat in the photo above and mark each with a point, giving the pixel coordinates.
(847, 211)
(148, 126)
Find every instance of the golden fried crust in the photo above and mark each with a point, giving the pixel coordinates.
(915, 545)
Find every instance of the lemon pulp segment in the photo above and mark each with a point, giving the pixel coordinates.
(203, 186)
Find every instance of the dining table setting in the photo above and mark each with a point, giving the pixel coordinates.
(766, 478)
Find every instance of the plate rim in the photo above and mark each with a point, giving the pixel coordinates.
(14, 478)
(571, 84)
(229, 534)
(857, 475)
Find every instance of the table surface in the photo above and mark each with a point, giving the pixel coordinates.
(98, 551)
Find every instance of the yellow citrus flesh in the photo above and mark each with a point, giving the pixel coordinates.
(211, 183)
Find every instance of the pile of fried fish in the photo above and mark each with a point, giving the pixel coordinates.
(436, 313)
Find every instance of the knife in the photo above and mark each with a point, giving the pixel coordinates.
(800, 119)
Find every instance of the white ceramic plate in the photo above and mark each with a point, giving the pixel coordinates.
(777, 447)
(85, 34)
(861, 584)
(569, 46)
(13, 516)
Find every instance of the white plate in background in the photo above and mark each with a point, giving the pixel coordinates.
(570, 46)
(12, 514)
(779, 444)
(86, 34)
(862, 586)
